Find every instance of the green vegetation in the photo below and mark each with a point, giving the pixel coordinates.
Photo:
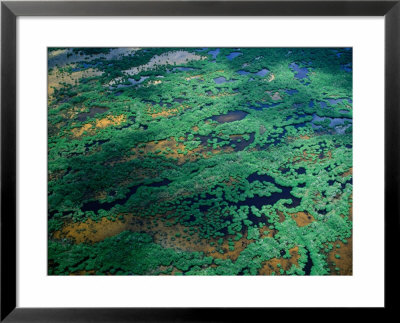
(187, 161)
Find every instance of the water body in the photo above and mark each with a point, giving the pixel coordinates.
(301, 72)
(183, 69)
(95, 206)
(179, 100)
(214, 53)
(233, 55)
(259, 201)
(260, 106)
(323, 104)
(335, 101)
(161, 103)
(263, 72)
(221, 79)
(291, 92)
(132, 81)
(338, 124)
(163, 182)
(141, 80)
(241, 72)
(309, 264)
(242, 144)
(230, 116)
(347, 68)
(301, 170)
(92, 112)
(89, 65)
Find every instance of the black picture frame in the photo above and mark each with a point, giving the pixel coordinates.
(10, 10)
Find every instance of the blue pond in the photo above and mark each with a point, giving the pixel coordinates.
(232, 55)
(347, 68)
(291, 92)
(182, 69)
(132, 81)
(338, 124)
(260, 106)
(335, 101)
(230, 116)
(301, 72)
(221, 79)
(214, 52)
(263, 72)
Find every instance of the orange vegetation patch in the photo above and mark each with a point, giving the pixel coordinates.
(302, 218)
(271, 265)
(56, 174)
(351, 209)
(83, 273)
(231, 181)
(219, 95)
(193, 77)
(305, 156)
(345, 262)
(90, 231)
(99, 124)
(172, 149)
(165, 232)
(110, 121)
(349, 172)
(168, 112)
(238, 245)
(234, 137)
(266, 232)
(166, 272)
(311, 157)
(304, 137)
(78, 132)
(281, 216)
(195, 128)
(328, 155)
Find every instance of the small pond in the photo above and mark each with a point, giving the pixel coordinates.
(233, 55)
(230, 116)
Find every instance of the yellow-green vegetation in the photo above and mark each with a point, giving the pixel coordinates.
(200, 161)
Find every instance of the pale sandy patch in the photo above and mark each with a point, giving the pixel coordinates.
(169, 58)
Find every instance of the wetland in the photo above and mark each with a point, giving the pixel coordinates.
(200, 161)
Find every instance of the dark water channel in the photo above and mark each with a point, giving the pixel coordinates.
(309, 264)
(259, 201)
(95, 206)
(92, 112)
